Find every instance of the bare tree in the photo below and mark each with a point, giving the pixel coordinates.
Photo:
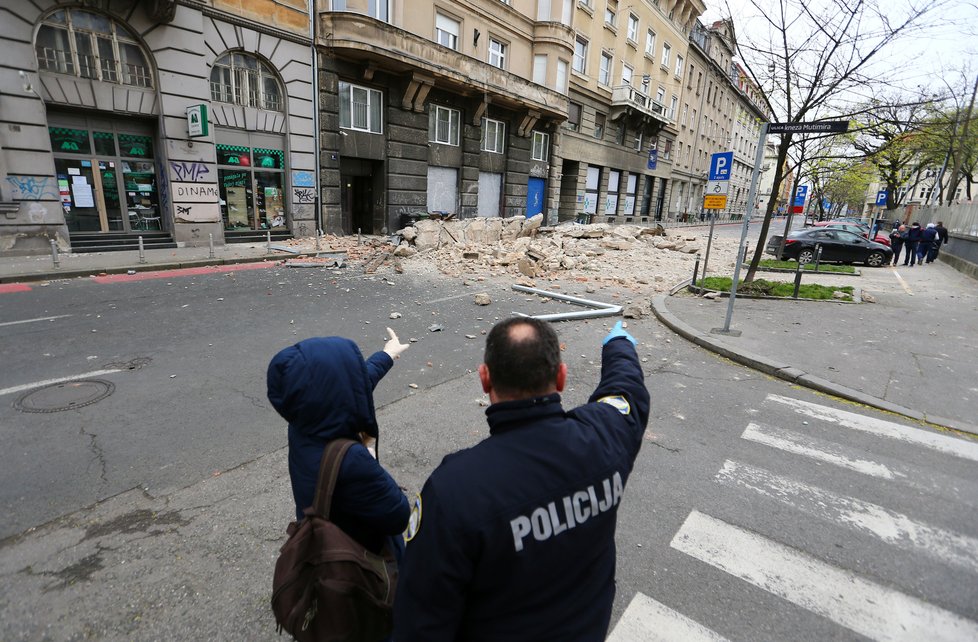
(821, 56)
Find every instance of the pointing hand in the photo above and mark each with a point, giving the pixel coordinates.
(394, 347)
(618, 331)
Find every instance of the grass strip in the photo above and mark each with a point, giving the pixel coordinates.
(762, 287)
(822, 267)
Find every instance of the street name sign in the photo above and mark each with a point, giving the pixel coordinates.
(822, 127)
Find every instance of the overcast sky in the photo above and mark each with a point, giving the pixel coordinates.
(925, 61)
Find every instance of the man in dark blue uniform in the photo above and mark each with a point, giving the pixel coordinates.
(514, 538)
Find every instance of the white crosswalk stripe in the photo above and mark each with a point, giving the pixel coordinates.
(942, 443)
(878, 612)
(889, 526)
(648, 620)
(849, 596)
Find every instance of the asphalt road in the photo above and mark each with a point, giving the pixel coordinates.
(756, 510)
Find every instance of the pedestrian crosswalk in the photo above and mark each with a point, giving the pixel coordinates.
(852, 595)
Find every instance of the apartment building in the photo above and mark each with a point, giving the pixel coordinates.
(617, 148)
(448, 107)
(721, 111)
(166, 119)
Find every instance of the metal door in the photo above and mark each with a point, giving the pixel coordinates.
(534, 196)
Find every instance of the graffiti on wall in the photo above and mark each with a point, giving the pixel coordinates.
(304, 194)
(32, 188)
(302, 178)
(197, 212)
(190, 172)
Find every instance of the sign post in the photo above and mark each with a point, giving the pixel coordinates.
(715, 196)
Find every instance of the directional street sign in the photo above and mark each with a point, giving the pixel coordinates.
(720, 166)
(823, 127)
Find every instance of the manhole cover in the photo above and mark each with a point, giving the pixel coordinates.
(65, 396)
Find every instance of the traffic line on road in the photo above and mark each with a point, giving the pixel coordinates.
(60, 316)
(895, 529)
(882, 428)
(49, 382)
(878, 612)
(648, 620)
(805, 446)
(6, 288)
(903, 284)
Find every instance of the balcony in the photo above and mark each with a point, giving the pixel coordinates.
(383, 47)
(627, 100)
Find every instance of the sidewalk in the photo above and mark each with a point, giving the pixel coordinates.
(914, 352)
(15, 269)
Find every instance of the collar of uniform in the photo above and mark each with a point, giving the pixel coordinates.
(508, 415)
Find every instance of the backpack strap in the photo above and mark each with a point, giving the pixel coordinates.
(329, 469)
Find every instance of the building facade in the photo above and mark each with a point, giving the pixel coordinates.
(183, 118)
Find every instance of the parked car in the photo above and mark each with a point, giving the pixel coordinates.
(838, 245)
(856, 228)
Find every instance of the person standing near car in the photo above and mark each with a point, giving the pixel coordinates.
(914, 234)
(897, 237)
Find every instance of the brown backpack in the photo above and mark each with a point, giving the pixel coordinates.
(327, 586)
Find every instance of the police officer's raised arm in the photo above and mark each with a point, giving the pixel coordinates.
(621, 376)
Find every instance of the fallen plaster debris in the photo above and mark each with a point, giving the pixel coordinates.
(598, 309)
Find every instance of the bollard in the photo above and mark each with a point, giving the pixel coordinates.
(696, 269)
(142, 252)
(746, 251)
(358, 236)
(797, 279)
(318, 234)
(268, 241)
(54, 254)
(818, 255)
(210, 245)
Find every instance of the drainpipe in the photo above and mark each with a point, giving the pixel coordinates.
(320, 223)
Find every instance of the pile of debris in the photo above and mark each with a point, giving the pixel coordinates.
(522, 246)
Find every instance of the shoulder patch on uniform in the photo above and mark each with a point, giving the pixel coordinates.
(414, 523)
(618, 402)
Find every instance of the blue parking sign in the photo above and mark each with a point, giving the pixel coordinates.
(720, 166)
(801, 195)
(881, 197)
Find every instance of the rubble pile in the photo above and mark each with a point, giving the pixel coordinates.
(628, 254)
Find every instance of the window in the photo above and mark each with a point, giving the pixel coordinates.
(379, 9)
(90, 45)
(540, 69)
(543, 11)
(611, 201)
(243, 79)
(682, 121)
(580, 55)
(493, 135)
(666, 52)
(360, 108)
(573, 116)
(667, 149)
(679, 66)
(591, 185)
(630, 187)
(610, 16)
(541, 146)
(660, 96)
(673, 103)
(446, 31)
(620, 134)
(599, 120)
(632, 27)
(650, 44)
(626, 74)
(562, 76)
(443, 125)
(604, 74)
(497, 53)
(638, 141)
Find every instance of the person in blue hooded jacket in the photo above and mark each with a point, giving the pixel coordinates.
(324, 388)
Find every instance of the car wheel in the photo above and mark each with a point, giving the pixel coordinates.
(806, 256)
(875, 259)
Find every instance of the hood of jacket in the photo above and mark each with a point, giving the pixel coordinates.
(321, 387)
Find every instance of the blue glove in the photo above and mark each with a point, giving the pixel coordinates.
(616, 332)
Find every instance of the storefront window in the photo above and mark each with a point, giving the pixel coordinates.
(69, 141)
(252, 186)
(136, 146)
(104, 143)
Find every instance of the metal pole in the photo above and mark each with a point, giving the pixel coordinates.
(210, 245)
(751, 196)
(696, 269)
(709, 243)
(54, 254)
(818, 254)
(797, 279)
(358, 236)
(318, 234)
(316, 126)
(268, 241)
(142, 253)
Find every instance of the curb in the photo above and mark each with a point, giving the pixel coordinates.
(795, 375)
(143, 267)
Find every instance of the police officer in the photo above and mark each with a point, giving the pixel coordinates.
(514, 538)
